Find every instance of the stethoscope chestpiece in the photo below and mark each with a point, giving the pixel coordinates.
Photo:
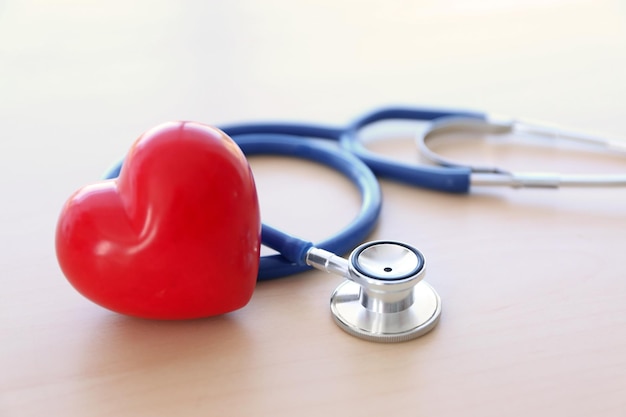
(384, 298)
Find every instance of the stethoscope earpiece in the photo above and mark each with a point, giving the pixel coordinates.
(383, 298)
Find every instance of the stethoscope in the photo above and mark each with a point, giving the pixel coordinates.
(383, 297)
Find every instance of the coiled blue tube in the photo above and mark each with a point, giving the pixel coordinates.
(293, 250)
(304, 130)
(453, 180)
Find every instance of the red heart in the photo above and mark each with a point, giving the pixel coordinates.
(176, 236)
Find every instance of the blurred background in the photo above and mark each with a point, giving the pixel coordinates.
(87, 77)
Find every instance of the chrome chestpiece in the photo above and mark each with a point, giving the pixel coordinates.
(383, 298)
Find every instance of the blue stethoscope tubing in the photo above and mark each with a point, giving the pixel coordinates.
(354, 161)
(448, 179)
(292, 250)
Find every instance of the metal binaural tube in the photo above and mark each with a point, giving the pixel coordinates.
(328, 262)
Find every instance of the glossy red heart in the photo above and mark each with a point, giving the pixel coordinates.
(176, 236)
